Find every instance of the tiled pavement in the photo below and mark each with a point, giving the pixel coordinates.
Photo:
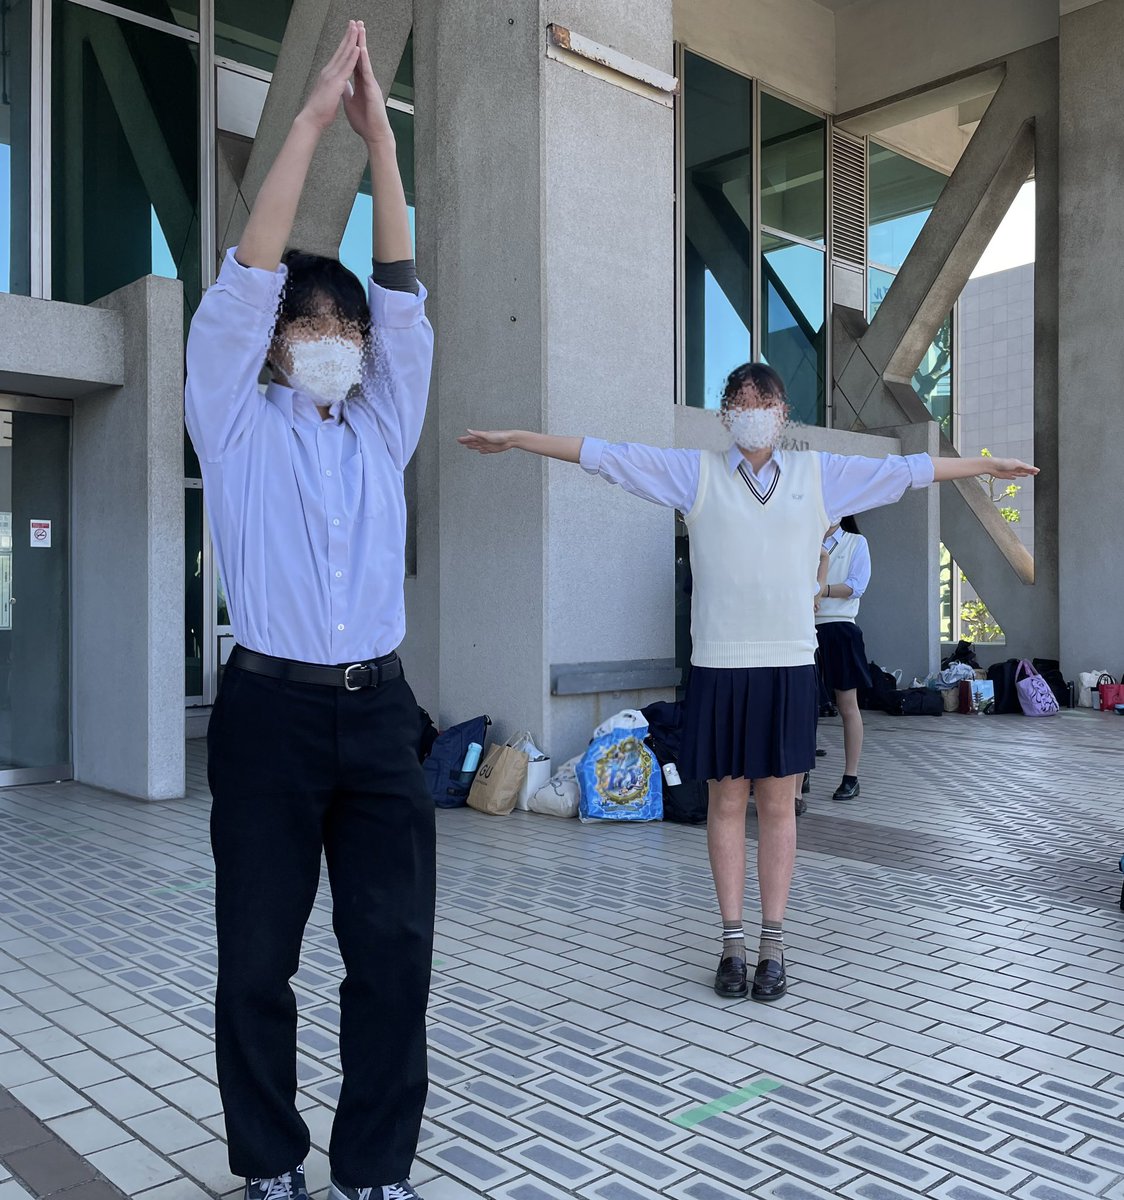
(953, 1029)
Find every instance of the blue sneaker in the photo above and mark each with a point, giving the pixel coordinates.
(289, 1186)
(388, 1191)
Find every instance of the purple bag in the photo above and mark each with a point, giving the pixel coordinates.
(1035, 696)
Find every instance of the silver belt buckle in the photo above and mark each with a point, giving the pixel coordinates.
(348, 685)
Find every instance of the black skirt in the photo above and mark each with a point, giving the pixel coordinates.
(842, 656)
(749, 722)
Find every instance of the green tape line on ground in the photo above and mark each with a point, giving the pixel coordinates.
(751, 1091)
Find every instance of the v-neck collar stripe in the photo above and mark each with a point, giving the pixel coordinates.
(753, 487)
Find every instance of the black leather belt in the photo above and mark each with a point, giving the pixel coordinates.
(352, 677)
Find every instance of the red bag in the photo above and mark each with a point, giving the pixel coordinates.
(1112, 693)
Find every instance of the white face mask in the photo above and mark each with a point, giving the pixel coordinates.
(327, 368)
(755, 428)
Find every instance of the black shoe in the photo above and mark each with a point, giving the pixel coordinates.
(821, 753)
(731, 981)
(806, 786)
(801, 806)
(828, 710)
(770, 981)
(388, 1191)
(846, 791)
(289, 1186)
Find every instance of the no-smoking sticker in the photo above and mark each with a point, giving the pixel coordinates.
(40, 535)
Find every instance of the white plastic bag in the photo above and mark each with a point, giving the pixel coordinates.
(561, 795)
(1087, 686)
(538, 768)
(627, 718)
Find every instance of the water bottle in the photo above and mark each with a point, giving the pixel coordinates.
(472, 758)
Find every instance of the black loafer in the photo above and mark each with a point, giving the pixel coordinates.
(821, 753)
(846, 791)
(770, 981)
(801, 806)
(732, 979)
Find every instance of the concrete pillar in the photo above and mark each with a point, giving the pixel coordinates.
(549, 196)
(900, 613)
(1091, 352)
(128, 513)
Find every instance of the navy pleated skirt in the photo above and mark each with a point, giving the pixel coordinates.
(842, 656)
(749, 722)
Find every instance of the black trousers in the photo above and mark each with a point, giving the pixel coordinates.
(296, 769)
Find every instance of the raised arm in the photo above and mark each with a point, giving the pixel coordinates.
(267, 232)
(666, 477)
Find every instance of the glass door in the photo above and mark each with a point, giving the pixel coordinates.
(34, 590)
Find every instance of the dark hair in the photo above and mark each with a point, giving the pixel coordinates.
(759, 376)
(315, 285)
(849, 525)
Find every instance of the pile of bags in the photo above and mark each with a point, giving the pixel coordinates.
(627, 773)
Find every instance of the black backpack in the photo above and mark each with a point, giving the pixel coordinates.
(919, 702)
(686, 802)
(448, 785)
(1050, 670)
(1002, 675)
(882, 693)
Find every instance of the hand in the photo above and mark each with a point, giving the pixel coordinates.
(494, 442)
(1009, 468)
(331, 85)
(363, 100)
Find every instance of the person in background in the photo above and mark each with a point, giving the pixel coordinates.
(756, 515)
(842, 652)
(313, 741)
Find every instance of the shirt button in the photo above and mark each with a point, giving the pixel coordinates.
(335, 520)
(328, 473)
(339, 574)
(340, 628)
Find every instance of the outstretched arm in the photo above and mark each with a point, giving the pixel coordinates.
(267, 232)
(666, 477)
(971, 468)
(565, 449)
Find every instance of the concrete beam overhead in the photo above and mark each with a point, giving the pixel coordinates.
(311, 37)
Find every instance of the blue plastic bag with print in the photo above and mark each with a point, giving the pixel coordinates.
(619, 777)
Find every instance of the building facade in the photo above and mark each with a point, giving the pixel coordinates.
(616, 202)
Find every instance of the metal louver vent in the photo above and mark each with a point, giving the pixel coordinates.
(848, 198)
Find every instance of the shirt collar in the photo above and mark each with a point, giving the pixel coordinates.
(299, 406)
(734, 459)
(833, 539)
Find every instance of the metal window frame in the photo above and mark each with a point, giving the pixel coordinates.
(755, 333)
(139, 18)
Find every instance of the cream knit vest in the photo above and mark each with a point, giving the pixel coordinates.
(754, 562)
(838, 568)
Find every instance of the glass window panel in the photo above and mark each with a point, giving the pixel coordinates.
(792, 293)
(403, 86)
(250, 31)
(126, 156)
(933, 379)
(184, 13)
(718, 222)
(35, 639)
(901, 194)
(15, 146)
(793, 180)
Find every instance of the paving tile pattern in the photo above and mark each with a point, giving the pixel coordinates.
(953, 1028)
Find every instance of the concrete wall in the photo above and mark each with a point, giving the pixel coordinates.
(996, 376)
(128, 581)
(1091, 359)
(787, 44)
(58, 350)
(886, 47)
